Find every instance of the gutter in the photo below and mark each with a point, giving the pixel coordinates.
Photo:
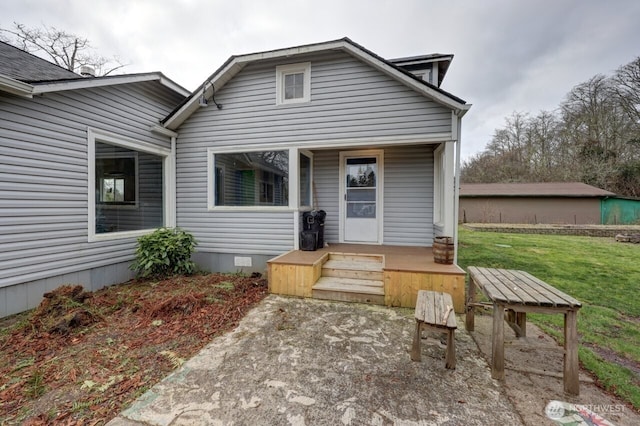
(15, 87)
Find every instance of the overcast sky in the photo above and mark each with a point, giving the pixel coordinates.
(510, 55)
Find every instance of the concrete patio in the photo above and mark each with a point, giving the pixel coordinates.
(301, 361)
(295, 361)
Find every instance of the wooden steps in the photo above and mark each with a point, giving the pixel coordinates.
(351, 278)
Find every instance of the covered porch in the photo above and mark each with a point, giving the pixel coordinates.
(379, 274)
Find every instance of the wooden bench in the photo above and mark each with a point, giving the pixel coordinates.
(435, 310)
(515, 293)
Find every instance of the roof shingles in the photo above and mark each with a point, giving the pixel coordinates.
(23, 66)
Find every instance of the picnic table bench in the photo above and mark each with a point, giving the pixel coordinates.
(435, 310)
(516, 293)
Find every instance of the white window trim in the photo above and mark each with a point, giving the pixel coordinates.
(281, 71)
(94, 135)
(211, 176)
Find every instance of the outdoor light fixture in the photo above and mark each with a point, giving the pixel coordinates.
(203, 99)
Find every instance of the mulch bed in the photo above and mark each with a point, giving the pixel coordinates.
(81, 357)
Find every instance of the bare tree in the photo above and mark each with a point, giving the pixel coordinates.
(627, 87)
(65, 49)
(593, 137)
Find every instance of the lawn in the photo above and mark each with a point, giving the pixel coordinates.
(603, 274)
(80, 358)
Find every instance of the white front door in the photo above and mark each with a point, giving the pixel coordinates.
(361, 193)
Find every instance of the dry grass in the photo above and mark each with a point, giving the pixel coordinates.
(80, 358)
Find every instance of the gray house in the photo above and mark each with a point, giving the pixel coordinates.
(84, 169)
(373, 142)
(90, 164)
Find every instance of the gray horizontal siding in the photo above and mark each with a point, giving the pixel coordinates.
(237, 232)
(44, 171)
(349, 99)
(326, 178)
(408, 195)
(18, 298)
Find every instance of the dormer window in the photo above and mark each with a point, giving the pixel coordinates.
(293, 83)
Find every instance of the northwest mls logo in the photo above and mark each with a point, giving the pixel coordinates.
(554, 410)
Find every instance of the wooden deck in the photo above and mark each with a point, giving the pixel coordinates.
(406, 270)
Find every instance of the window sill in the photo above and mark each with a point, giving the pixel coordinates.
(250, 209)
(117, 206)
(293, 102)
(109, 236)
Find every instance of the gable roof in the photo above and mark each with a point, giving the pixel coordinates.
(27, 90)
(546, 189)
(236, 63)
(24, 74)
(19, 65)
(110, 80)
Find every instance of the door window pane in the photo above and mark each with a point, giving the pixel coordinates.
(361, 172)
(361, 189)
(361, 210)
(361, 194)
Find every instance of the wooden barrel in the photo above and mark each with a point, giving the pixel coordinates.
(443, 250)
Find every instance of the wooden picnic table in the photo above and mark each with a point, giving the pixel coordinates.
(516, 293)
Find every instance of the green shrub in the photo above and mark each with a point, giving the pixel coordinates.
(163, 253)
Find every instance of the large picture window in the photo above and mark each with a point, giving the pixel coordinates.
(127, 188)
(251, 179)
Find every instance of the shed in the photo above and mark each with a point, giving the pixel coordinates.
(531, 203)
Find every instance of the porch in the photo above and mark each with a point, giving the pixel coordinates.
(377, 274)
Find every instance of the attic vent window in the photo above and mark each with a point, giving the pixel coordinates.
(293, 83)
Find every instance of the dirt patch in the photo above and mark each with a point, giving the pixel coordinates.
(533, 377)
(63, 310)
(81, 357)
(614, 358)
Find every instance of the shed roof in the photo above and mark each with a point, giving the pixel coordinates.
(545, 189)
(23, 66)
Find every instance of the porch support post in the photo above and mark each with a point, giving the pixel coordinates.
(448, 176)
(456, 127)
